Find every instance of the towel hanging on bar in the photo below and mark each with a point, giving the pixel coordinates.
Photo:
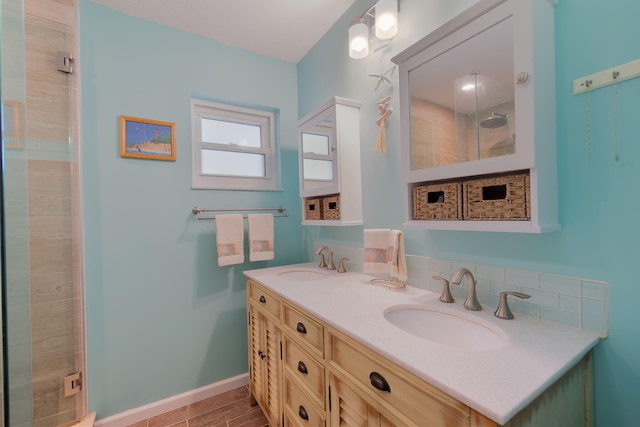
(260, 228)
(230, 239)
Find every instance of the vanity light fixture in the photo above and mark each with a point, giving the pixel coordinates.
(386, 19)
(383, 17)
(359, 40)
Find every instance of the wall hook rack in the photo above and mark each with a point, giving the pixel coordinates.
(622, 72)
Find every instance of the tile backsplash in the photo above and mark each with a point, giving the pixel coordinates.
(570, 301)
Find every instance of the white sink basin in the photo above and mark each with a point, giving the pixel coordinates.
(303, 274)
(446, 328)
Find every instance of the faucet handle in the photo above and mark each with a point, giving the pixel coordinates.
(323, 263)
(503, 311)
(446, 291)
(341, 267)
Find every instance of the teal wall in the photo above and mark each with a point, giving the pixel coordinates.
(162, 317)
(598, 204)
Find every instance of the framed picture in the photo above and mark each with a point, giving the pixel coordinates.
(147, 139)
(12, 124)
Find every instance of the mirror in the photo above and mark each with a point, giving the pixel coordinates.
(462, 101)
(318, 154)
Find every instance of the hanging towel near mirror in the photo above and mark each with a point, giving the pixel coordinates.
(384, 253)
(260, 237)
(376, 250)
(230, 239)
(397, 259)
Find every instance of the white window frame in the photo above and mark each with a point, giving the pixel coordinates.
(265, 119)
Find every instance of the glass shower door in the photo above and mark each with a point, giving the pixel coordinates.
(42, 268)
(16, 354)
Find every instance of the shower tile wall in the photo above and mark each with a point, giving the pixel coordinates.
(53, 244)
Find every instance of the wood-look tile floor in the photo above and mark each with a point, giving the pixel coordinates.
(230, 409)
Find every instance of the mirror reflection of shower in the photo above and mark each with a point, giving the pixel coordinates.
(484, 117)
(495, 120)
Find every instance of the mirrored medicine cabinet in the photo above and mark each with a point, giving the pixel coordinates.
(477, 99)
(329, 164)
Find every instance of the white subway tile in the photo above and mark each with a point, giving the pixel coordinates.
(560, 284)
(490, 273)
(521, 278)
(566, 318)
(593, 290)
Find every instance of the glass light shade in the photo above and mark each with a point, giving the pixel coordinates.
(386, 19)
(358, 40)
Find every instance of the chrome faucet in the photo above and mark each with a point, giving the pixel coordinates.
(471, 303)
(331, 265)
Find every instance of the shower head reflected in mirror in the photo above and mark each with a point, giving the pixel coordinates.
(496, 120)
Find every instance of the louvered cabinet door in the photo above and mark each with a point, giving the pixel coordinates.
(349, 409)
(266, 371)
(272, 372)
(256, 362)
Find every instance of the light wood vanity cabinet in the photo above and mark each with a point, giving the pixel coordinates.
(305, 373)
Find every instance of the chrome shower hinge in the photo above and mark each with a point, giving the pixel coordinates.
(64, 61)
(72, 384)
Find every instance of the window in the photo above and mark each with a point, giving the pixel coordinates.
(233, 147)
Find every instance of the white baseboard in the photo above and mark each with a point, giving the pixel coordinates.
(141, 413)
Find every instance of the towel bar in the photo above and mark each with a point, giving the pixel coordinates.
(197, 211)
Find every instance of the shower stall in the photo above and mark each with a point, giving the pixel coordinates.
(41, 241)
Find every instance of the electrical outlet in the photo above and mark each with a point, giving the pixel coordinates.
(72, 384)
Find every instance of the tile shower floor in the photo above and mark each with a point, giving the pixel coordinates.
(230, 409)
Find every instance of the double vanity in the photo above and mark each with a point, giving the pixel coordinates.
(331, 349)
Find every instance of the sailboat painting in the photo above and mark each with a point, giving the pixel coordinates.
(147, 139)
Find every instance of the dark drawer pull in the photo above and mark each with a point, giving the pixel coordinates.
(379, 382)
(302, 368)
(263, 299)
(300, 328)
(302, 413)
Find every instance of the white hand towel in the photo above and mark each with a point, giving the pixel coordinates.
(397, 259)
(260, 237)
(376, 251)
(230, 239)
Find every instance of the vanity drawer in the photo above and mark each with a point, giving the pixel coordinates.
(304, 370)
(263, 298)
(392, 387)
(298, 409)
(305, 329)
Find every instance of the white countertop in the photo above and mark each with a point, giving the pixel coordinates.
(497, 382)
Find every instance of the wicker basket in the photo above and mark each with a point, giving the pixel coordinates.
(498, 198)
(331, 207)
(312, 209)
(441, 202)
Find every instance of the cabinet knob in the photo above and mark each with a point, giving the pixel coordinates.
(302, 368)
(263, 299)
(261, 354)
(379, 382)
(301, 328)
(302, 413)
